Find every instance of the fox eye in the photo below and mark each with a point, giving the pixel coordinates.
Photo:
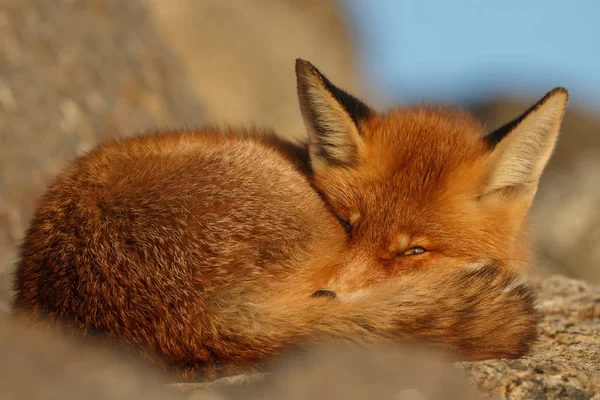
(412, 251)
(346, 225)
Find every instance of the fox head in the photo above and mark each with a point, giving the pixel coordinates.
(418, 187)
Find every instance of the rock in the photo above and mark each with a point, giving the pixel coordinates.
(388, 372)
(241, 54)
(565, 362)
(73, 73)
(36, 365)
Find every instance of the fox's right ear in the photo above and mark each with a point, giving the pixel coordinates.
(332, 119)
(519, 151)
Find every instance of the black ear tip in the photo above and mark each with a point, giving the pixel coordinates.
(557, 91)
(300, 63)
(303, 66)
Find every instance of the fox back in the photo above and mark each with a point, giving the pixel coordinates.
(144, 237)
(417, 187)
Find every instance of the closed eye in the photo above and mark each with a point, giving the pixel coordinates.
(346, 225)
(413, 251)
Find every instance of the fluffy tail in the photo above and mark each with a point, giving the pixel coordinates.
(479, 313)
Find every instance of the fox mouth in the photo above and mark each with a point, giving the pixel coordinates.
(324, 293)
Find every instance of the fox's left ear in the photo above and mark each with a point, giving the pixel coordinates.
(332, 118)
(519, 151)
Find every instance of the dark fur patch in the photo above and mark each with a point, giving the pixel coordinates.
(492, 139)
(324, 293)
(356, 109)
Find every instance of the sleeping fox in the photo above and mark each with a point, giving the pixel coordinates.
(212, 251)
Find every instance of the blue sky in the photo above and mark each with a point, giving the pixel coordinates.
(461, 50)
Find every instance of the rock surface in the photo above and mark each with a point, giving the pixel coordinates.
(565, 363)
(72, 73)
(241, 54)
(36, 365)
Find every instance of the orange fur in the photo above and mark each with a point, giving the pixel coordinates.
(207, 250)
(431, 162)
(423, 177)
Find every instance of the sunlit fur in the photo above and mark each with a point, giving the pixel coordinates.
(203, 249)
(428, 176)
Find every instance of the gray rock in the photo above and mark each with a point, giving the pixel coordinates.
(73, 73)
(241, 54)
(565, 362)
(42, 365)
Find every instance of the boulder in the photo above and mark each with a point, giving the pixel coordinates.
(73, 73)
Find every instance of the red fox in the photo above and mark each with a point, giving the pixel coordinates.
(418, 185)
(213, 251)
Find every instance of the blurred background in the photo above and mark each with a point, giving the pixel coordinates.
(75, 72)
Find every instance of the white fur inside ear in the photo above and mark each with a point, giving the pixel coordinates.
(334, 137)
(521, 156)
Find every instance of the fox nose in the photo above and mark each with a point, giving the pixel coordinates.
(352, 277)
(324, 293)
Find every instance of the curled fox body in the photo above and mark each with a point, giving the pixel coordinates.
(210, 252)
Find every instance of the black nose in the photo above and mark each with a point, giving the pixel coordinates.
(324, 293)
